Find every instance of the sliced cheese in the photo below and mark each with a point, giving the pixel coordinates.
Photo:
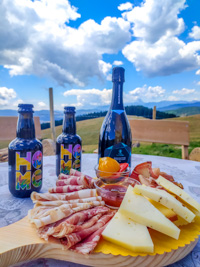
(140, 210)
(166, 200)
(172, 188)
(171, 215)
(129, 234)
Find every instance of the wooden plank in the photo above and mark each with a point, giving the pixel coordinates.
(9, 125)
(19, 242)
(160, 131)
(154, 113)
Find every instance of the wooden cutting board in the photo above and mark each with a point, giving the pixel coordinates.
(19, 242)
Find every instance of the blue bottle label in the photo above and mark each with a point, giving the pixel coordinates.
(70, 157)
(28, 170)
(119, 152)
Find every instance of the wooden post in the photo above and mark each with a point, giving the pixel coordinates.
(154, 113)
(53, 134)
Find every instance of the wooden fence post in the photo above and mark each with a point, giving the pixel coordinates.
(154, 113)
(53, 134)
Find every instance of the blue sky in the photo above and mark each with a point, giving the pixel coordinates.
(73, 46)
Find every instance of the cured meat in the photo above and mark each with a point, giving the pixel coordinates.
(61, 202)
(66, 189)
(63, 211)
(80, 174)
(89, 243)
(75, 228)
(74, 195)
(72, 180)
(68, 224)
(74, 238)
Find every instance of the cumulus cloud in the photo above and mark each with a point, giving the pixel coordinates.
(39, 41)
(117, 63)
(157, 50)
(148, 93)
(184, 91)
(90, 97)
(6, 94)
(125, 6)
(195, 33)
(198, 72)
(41, 104)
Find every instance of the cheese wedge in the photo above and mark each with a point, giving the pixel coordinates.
(140, 210)
(166, 200)
(172, 188)
(129, 234)
(171, 215)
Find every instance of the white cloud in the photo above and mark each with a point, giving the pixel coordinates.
(173, 98)
(90, 97)
(125, 6)
(17, 102)
(37, 40)
(6, 95)
(198, 72)
(157, 50)
(104, 67)
(198, 83)
(195, 33)
(184, 91)
(148, 93)
(41, 104)
(117, 63)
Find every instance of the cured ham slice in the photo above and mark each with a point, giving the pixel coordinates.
(61, 202)
(63, 211)
(74, 195)
(67, 224)
(74, 238)
(80, 174)
(89, 243)
(66, 189)
(72, 180)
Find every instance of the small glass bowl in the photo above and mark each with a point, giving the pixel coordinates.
(111, 177)
(113, 194)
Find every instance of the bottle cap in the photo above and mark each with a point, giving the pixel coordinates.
(118, 74)
(25, 108)
(69, 110)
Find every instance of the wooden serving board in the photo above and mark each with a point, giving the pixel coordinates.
(19, 242)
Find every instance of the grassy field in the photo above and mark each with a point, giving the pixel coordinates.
(89, 132)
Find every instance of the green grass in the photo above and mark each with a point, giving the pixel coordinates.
(89, 132)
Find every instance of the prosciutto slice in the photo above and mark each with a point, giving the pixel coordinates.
(72, 180)
(67, 225)
(89, 243)
(66, 189)
(74, 195)
(74, 238)
(80, 174)
(63, 211)
(61, 202)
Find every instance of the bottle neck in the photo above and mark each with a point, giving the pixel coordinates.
(117, 96)
(25, 126)
(69, 123)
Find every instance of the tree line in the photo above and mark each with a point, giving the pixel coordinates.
(130, 110)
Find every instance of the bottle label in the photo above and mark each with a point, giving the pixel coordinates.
(28, 170)
(70, 157)
(119, 152)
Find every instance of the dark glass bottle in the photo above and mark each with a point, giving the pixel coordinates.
(68, 144)
(115, 139)
(25, 156)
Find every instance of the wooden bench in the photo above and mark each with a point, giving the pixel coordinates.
(8, 127)
(161, 131)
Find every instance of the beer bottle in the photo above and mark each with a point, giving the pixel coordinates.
(25, 156)
(68, 144)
